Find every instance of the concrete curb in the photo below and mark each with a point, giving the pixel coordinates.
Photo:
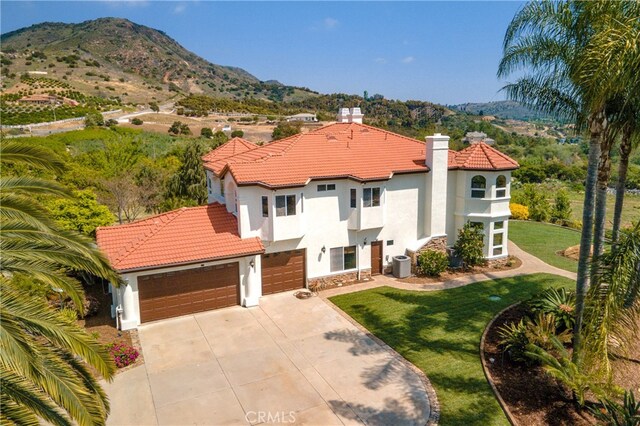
(487, 373)
(434, 405)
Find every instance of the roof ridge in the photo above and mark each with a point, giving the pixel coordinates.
(157, 228)
(138, 223)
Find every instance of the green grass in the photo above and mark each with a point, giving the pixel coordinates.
(440, 333)
(544, 241)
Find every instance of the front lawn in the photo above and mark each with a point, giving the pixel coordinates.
(544, 241)
(440, 333)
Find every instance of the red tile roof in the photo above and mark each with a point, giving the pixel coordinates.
(215, 160)
(182, 236)
(480, 156)
(341, 150)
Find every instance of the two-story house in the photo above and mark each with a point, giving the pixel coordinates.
(336, 203)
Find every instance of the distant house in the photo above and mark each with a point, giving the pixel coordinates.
(40, 99)
(44, 99)
(475, 137)
(305, 117)
(226, 128)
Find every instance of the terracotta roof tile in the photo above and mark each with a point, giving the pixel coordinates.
(480, 156)
(341, 150)
(215, 160)
(177, 237)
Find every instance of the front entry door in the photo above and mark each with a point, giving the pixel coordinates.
(376, 257)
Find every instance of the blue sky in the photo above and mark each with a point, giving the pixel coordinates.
(445, 52)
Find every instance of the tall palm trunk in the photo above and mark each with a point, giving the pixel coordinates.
(604, 175)
(596, 126)
(623, 167)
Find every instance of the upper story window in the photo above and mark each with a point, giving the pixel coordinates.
(209, 184)
(353, 198)
(501, 186)
(222, 187)
(265, 206)
(285, 205)
(327, 187)
(478, 186)
(371, 197)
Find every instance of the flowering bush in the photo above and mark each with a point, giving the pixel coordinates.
(122, 354)
(519, 212)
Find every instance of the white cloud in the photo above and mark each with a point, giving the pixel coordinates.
(380, 60)
(330, 23)
(408, 59)
(180, 8)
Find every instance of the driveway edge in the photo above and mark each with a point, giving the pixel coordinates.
(434, 405)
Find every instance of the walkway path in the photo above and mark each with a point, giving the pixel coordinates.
(530, 265)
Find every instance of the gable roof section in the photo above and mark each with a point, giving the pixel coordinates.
(341, 150)
(216, 159)
(182, 236)
(480, 156)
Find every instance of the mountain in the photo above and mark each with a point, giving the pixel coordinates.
(503, 109)
(139, 63)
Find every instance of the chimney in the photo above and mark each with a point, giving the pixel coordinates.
(355, 116)
(343, 115)
(437, 159)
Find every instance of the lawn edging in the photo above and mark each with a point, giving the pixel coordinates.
(434, 405)
(485, 367)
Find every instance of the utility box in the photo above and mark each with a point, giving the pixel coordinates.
(401, 266)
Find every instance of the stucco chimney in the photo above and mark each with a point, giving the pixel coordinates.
(355, 115)
(437, 159)
(343, 115)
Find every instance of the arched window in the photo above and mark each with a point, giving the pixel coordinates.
(501, 186)
(478, 186)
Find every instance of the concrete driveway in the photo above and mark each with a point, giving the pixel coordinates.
(287, 361)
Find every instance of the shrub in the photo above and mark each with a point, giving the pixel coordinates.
(432, 263)
(562, 209)
(559, 303)
(122, 354)
(574, 224)
(206, 132)
(136, 121)
(237, 134)
(514, 340)
(519, 212)
(610, 412)
(469, 245)
(540, 209)
(542, 330)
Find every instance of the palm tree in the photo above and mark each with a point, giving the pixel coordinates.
(613, 309)
(609, 70)
(547, 40)
(45, 360)
(630, 140)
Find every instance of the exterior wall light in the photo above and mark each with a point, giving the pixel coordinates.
(252, 264)
(323, 249)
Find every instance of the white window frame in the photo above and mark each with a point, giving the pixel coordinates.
(479, 190)
(341, 251)
(371, 191)
(501, 191)
(286, 205)
(499, 231)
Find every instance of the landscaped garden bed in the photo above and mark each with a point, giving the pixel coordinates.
(531, 395)
(505, 264)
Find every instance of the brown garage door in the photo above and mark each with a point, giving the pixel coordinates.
(282, 271)
(185, 292)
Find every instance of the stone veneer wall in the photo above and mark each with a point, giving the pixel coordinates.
(337, 280)
(437, 244)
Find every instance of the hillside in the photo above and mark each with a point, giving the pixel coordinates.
(503, 109)
(112, 57)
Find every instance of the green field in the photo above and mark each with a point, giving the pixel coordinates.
(545, 241)
(440, 333)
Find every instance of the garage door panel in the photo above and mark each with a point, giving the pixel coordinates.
(185, 292)
(283, 271)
